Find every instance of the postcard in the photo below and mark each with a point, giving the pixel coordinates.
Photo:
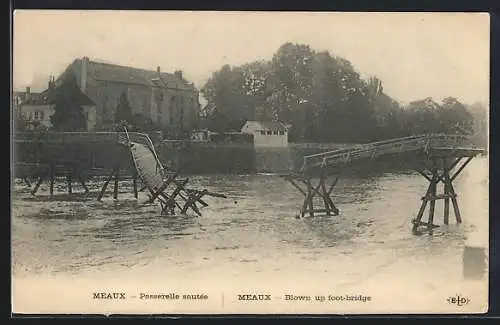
(204, 162)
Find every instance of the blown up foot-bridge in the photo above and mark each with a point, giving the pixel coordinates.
(164, 186)
(439, 158)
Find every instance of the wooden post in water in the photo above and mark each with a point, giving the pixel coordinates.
(134, 185)
(69, 180)
(439, 170)
(117, 176)
(105, 185)
(38, 183)
(432, 196)
(446, 190)
(78, 175)
(52, 179)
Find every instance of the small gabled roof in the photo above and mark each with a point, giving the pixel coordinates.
(269, 125)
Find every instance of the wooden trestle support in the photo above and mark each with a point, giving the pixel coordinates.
(312, 191)
(439, 170)
(169, 203)
(68, 170)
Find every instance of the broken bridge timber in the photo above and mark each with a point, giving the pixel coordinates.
(166, 187)
(439, 158)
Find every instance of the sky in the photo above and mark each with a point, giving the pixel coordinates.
(416, 55)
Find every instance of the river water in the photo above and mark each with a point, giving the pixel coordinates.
(67, 247)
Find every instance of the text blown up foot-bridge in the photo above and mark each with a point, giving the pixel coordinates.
(439, 158)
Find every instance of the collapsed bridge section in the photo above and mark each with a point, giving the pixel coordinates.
(47, 155)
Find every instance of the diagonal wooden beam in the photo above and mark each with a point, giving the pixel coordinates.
(297, 186)
(179, 188)
(461, 168)
(325, 200)
(162, 188)
(103, 189)
(447, 169)
(332, 186)
(419, 170)
(190, 203)
(315, 190)
(37, 185)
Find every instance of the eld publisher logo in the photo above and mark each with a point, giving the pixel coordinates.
(458, 300)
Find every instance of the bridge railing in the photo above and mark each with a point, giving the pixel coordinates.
(144, 139)
(376, 149)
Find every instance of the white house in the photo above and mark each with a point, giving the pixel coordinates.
(38, 109)
(267, 134)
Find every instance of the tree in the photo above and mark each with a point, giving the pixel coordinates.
(68, 114)
(292, 74)
(323, 98)
(20, 124)
(456, 117)
(123, 109)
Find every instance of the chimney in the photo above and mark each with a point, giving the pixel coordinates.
(178, 73)
(28, 93)
(83, 74)
(158, 69)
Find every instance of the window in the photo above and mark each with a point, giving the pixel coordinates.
(182, 116)
(173, 98)
(161, 96)
(275, 132)
(269, 132)
(30, 115)
(262, 132)
(282, 132)
(42, 115)
(36, 115)
(171, 119)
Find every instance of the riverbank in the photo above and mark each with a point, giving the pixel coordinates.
(192, 158)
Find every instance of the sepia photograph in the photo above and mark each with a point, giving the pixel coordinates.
(204, 162)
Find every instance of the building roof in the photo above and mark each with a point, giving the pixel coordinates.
(268, 125)
(123, 74)
(43, 99)
(24, 95)
(38, 99)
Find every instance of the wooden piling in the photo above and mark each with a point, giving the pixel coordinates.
(69, 181)
(52, 179)
(440, 174)
(324, 191)
(38, 183)
(117, 176)
(79, 177)
(134, 185)
(105, 185)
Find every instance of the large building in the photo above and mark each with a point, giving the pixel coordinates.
(170, 101)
